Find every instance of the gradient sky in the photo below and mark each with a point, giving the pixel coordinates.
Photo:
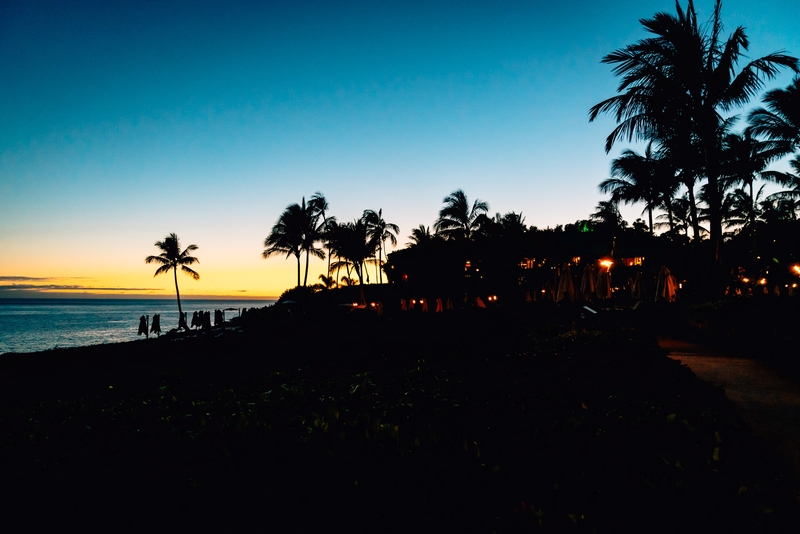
(122, 123)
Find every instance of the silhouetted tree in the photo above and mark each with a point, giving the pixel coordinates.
(457, 220)
(420, 236)
(297, 231)
(635, 178)
(172, 257)
(380, 231)
(286, 236)
(676, 84)
(780, 121)
(354, 244)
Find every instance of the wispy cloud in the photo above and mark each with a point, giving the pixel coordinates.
(57, 287)
(22, 279)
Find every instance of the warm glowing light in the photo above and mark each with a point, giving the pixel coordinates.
(763, 281)
(606, 263)
(796, 269)
(746, 280)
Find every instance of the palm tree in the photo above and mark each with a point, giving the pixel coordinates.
(607, 215)
(742, 210)
(354, 245)
(636, 178)
(676, 84)
(420, 236)
(318, 205)
(678, 218)
(744, 160)
(780, 122)
(381, 231)
(170, 258)
(296, 232)
(790, 179)
(456, 219)
(286, 236)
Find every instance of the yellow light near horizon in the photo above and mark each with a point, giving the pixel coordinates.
(216, 281)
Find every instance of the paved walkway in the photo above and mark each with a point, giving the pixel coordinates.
(768, 403)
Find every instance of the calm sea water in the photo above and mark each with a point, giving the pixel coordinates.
(30, 325)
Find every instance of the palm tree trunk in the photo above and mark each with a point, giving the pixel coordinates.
(329, 260)
(380, 271)
(753, 227)
(305, 277)
(693, 213)
(715, 216)
(359, 270)
(670, 218)
(298, 269)
(181, 322)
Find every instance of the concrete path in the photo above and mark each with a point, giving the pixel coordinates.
(768, 403)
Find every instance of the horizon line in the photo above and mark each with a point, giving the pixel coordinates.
(33, 295)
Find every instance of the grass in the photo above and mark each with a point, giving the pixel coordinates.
(479, 422)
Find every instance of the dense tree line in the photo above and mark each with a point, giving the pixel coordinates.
(701, 183)
(677, 91)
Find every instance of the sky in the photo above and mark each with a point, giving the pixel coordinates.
(121, 123)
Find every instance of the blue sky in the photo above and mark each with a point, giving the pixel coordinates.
(120, 124)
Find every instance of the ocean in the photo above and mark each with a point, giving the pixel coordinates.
(36, 324)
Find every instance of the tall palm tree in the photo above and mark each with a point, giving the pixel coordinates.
(172, 257)
(744, 160)
(607, 215)
(296, 231)
(678, 218)
(420, 236)
(354, 245)
(456, 219)
(318, 205)
(381, 231)
(675, 86)
(636, 178)
(286, 236)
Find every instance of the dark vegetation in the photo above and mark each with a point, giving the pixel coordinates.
(506, 420)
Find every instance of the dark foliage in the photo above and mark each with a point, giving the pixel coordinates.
(474, 422)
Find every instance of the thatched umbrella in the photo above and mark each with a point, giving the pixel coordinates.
(604, 285)
(638, 292)
(588, 281)
(665, 287)
(566, 288)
